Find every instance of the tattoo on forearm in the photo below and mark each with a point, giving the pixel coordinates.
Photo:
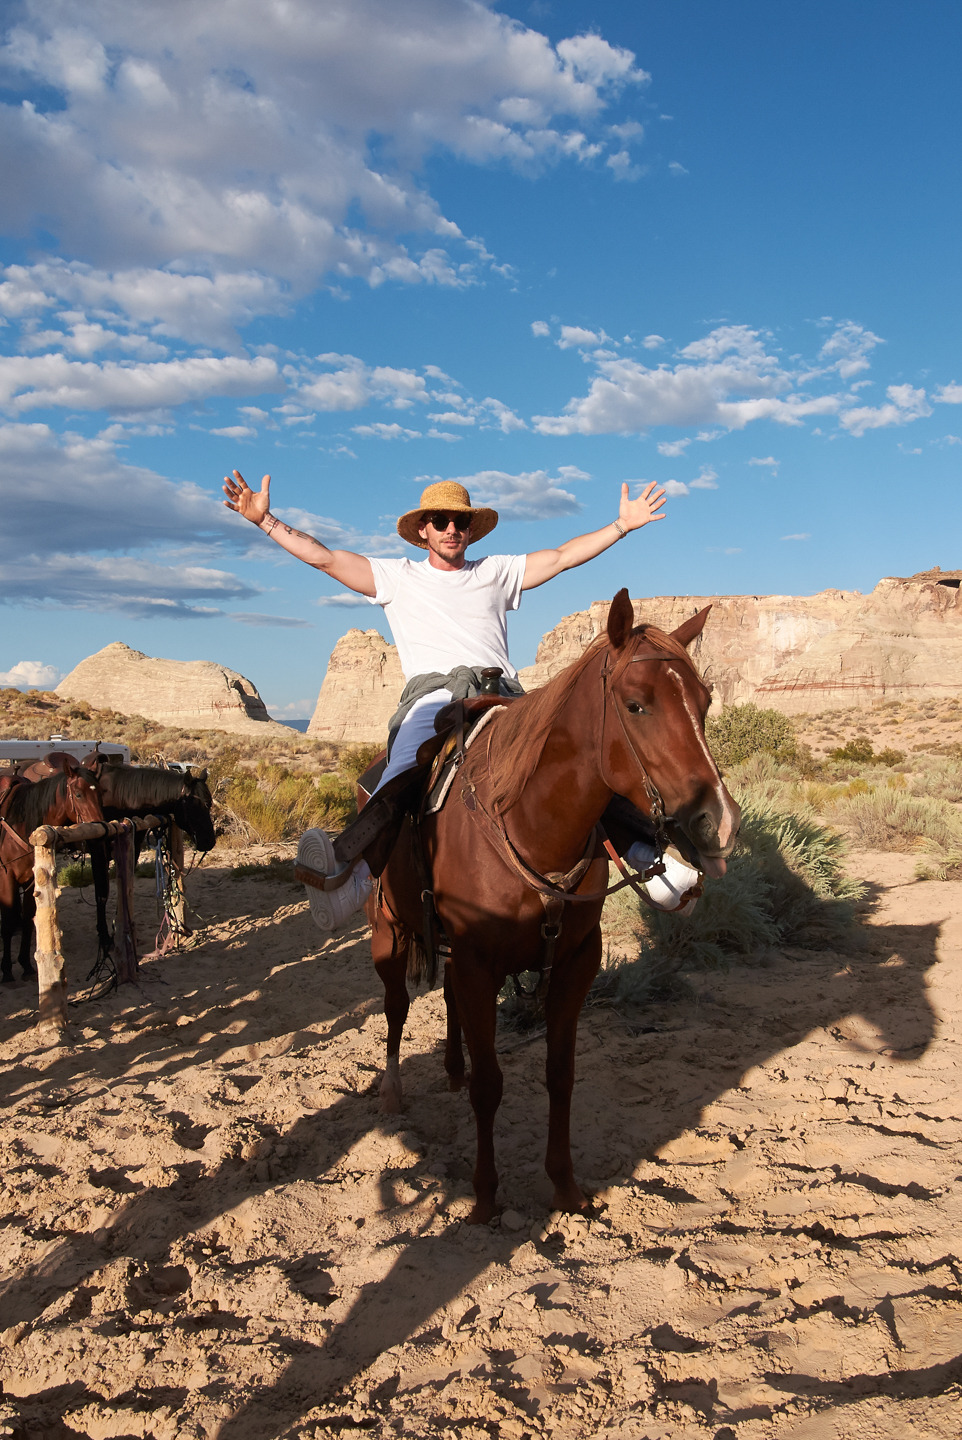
(303, 535)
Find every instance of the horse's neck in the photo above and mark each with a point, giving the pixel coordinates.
(565, 796)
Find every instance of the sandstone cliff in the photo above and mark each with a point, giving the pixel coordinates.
(798, 654)
(360, 692)
(801, 654)
(191, 694)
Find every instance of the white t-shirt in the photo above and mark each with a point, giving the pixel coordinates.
(444, 618)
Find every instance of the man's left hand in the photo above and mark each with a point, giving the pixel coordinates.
(635, 513)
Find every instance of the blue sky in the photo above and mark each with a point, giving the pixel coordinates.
(539, 247)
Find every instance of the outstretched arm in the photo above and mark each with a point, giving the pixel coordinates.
(544, 565)
(351, 570)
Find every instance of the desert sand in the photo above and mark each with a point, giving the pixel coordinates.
(209, 1230)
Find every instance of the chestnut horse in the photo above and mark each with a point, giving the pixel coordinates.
(68, 798)
(515, 858)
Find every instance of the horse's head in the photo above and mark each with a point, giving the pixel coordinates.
(655, 753)
(192, 810)
(81, 796)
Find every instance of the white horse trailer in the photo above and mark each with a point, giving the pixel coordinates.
(14, 753)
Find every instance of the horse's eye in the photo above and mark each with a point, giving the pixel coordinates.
(635, 707)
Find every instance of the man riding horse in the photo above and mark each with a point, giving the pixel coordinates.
(447, 615)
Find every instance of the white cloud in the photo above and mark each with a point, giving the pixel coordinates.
(29, 382)
(768, 461)
(676, 168)
(235, 432)
(627, 396)
(948, 395)
(281, 622)
(140, 588)
(706, 479)
(531, 495)
(68, 493)
(726, 380)
(262, 164)
(452, 417)
(802, 536)
(540, 327)
(905, 404)
(31, 675)
(502, 415)
(673, 448)
(574, 472)
(381, 431)
(847, 349)
(652, 342)
(202, 309)
(350, 601)
(354, 384)
(622, 166)
(675, 487)
(576, 335)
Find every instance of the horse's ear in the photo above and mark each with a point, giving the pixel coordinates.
(691, 629)
(200, 774)
(621, 618)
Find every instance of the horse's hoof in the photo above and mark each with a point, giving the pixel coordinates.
(572, 1201)
(390, 1100)
(455, 1082)
(6, 979)
(481, 1213)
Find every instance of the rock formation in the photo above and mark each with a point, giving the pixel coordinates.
(360, 691)
(803, 654)
(191, 694)
(798, 654)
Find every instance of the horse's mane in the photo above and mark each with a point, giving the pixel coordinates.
(518, 739)
(30, 802)
(136, 785)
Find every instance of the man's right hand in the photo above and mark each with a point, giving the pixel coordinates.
(252, 504)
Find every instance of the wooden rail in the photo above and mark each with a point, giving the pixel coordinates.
(46, 840)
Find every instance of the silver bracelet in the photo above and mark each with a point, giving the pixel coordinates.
(622, 532)
(269, 527)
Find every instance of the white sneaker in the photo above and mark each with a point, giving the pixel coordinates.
(667, 891)
(332, 908)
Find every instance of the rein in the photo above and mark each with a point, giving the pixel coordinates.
(557, 886)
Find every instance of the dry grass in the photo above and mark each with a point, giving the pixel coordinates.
(266, 789)
(39, 713)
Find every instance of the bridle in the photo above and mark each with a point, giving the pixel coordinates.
(609, 674)
(555, 887)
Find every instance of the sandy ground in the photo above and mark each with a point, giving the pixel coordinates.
(911, 726)
(209, 1231)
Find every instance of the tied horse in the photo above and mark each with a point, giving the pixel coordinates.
(67, 798)
(517, 864)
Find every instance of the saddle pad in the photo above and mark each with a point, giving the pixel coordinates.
(441, 784)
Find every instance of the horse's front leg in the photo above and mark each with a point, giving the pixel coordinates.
(389, 949)
(28, 909)
(476, 994)
(8, 924)
(570, 982)
(453, 1049)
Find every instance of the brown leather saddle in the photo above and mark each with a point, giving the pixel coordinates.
(416, 791)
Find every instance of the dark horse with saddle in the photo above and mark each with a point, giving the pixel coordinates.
(58, 791)
(510, 872)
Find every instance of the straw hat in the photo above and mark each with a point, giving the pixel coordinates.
(446, 495)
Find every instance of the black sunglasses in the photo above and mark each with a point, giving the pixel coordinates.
(440, 520)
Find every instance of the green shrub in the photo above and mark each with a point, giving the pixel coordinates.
(858, 750)
(741, 731)
(784, 886)
(891, 819)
